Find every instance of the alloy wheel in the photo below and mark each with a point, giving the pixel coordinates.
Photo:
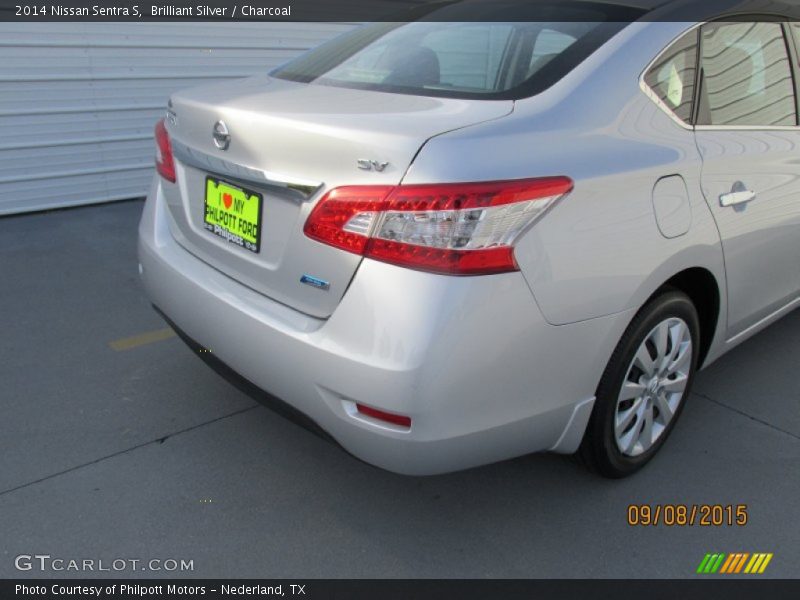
(653, 386)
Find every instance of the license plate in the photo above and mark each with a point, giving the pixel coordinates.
(233, 213)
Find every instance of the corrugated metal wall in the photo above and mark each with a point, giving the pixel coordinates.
(78, 101)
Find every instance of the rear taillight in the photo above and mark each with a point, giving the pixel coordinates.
(165, 163)
(456, 229)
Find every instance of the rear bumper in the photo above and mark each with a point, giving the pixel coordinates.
(471, 360)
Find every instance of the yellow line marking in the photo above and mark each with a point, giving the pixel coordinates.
(753, 568)
(765, 563)
(142, 339)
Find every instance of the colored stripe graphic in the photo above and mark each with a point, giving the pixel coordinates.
(733, 563)
(718, 563)
(701, 568)
(710, 563)
(726, 566)
(765, 563)
(753, 562)
(740, 564)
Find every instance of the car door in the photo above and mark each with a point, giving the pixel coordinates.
(748, 135)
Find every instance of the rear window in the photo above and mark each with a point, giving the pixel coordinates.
(672, 76)
(490, 60)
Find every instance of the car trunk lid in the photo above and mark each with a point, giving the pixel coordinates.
(289, 143)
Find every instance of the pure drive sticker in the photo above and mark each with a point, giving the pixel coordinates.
(233, 214)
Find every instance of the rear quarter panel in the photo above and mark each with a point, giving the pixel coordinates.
(599, 251)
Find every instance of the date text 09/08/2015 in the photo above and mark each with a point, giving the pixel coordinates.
(688, 515)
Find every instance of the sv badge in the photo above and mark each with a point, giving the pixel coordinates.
(365, 164)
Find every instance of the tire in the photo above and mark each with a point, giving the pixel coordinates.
(627, 428)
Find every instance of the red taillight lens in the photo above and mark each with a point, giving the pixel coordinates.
(335, 219)
(456, 229)
(165, 162)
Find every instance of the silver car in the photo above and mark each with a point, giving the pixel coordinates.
(447, 243)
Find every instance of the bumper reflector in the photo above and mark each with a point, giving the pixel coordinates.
(380, 415)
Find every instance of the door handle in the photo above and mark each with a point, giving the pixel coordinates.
(738, 195)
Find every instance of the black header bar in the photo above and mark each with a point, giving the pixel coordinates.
(314, 589)
(384, 10)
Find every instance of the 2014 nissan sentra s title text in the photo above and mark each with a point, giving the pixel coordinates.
(448, 242)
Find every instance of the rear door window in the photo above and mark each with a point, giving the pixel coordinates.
(746, 76)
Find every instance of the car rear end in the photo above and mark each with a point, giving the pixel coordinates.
(279, 236)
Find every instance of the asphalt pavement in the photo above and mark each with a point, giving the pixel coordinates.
(118, 443)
